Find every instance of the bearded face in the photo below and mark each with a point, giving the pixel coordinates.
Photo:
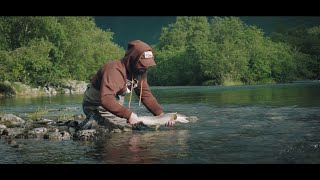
(140, 69)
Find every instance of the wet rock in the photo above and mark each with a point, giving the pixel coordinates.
(65, 91)
(37, 132)
(108, 121)
(85, 135)
(79, 116)
(44, 121)
(2, 126)
(127, 129)
(11, 119)
(50, 90)
(53, 129)
(114, 124)
(9, 140)
(116, 130)
(102, 131)
(72, 86)
(71, 130)
(60, 123)
(87, 124)
(64, 135)
(14, 132)
(13, 143)
(62, 128)
(93, 131)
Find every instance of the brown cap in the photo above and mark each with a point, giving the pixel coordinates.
(147, 59)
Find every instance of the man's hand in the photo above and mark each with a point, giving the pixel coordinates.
(170, 123)
(133, 119)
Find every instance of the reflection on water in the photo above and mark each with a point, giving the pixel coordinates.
(239, 124)
(141, 147)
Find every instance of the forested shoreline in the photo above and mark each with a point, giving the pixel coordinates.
(43, 51)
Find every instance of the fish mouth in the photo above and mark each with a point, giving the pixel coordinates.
(182, 119)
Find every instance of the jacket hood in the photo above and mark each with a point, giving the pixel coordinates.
(138, 51)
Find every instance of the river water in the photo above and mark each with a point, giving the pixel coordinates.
(237, 125)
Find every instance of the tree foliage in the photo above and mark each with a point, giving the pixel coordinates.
(178, 45)
(44, 50)
(198, 50)
(192, 51)
(305, 42)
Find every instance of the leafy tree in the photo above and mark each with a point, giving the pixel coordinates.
(194, 51)
(44, 50)
(176, 50)
(305, 43)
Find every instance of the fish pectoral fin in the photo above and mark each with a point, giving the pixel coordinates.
(157, 126)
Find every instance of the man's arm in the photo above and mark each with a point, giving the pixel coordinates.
(111, 83)
(147, 98)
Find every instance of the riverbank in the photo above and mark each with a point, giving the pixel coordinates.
(19, 89)
(306, 81)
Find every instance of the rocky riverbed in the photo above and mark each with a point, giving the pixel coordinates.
(14, 127)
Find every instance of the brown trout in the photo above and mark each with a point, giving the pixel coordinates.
(157, 121)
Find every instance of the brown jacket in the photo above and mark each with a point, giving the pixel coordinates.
(112, 77)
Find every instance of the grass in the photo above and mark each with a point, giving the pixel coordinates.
(231, 83)
(19, 87)
(37, 115)
(224, 83)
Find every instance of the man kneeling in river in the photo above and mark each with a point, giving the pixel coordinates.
(105, 94)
